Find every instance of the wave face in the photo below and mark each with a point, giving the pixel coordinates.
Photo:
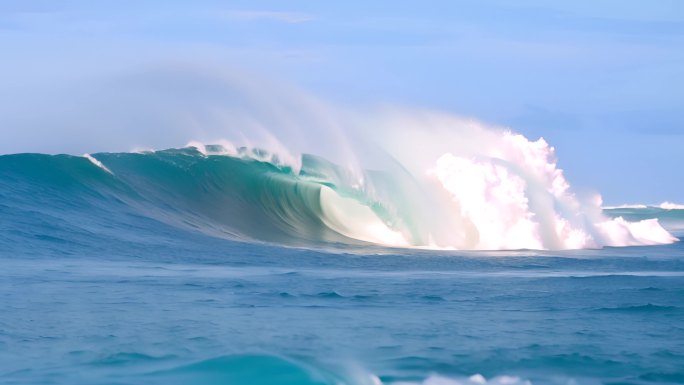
(268, 370)
(517, 199)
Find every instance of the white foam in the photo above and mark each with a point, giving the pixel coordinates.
(97, 163)
(671, 206)
(142, 150)
(476, 379)
(270, 151)
(487, 196)
(222, 147)
(489, 188)
(619, 232)
(625, 206)
(664, 206)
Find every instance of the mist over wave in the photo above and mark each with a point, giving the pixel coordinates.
(438, 181)
(272, 163)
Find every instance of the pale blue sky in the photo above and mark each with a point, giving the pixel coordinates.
(603, 81)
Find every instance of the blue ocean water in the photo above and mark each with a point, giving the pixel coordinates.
(161, 270)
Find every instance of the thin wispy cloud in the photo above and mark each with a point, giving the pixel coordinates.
(278, 16)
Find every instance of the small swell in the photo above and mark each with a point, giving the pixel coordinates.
(648, 308)
(651, 288)
(434, 298)
(330, 295)
(667, 377)
(129, 358)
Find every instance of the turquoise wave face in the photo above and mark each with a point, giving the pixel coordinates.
(245, 369)
(219, 195)
(236, 197)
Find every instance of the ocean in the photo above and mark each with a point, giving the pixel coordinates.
(183, 267)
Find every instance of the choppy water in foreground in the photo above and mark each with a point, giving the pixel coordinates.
(217, 312)
(93, 292)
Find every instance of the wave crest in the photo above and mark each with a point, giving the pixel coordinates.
(438, 183)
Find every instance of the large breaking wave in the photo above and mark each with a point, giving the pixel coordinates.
(292, 169)
(474, 188)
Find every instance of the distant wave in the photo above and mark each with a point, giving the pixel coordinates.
(664, 206)
(671, 206)
(670, 215)
(518, 200)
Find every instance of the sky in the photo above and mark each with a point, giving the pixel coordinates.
(602, 81)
